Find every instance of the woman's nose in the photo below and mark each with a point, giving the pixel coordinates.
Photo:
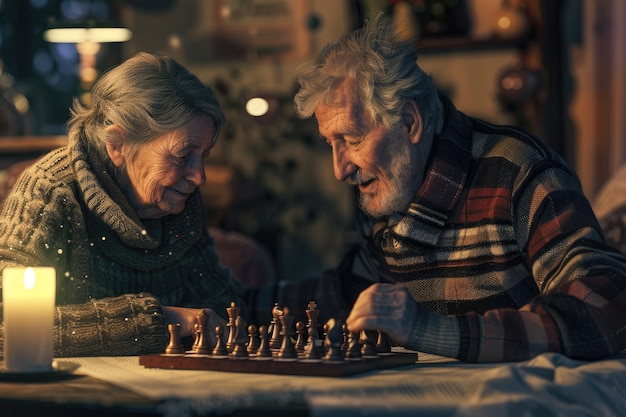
(195, 173)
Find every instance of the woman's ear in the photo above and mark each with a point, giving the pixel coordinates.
(412, 121)
(115, 144)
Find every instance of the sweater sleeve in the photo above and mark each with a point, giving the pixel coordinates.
(115, 326)
(581, 310)
(34, 231)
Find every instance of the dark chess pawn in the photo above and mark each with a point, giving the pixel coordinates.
(368, 342)
(353, 351)
(220, 345)
(264, 350)
(253, 339)
(300, 336)
(287, 349)
(175, 347)
(334, 340)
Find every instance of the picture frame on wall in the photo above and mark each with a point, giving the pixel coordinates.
(257, 28)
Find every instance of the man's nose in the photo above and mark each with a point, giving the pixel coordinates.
(342, 164)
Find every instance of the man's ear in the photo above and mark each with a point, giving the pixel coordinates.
(115, 144)
(412, 121)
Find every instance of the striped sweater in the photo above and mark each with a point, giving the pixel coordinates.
(500, 242)
(114, 271)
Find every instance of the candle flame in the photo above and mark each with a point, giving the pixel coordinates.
(29, 278)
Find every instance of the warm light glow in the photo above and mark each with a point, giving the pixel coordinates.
(29, 278)
(257, 106)
(504, 22)
(21, 103)
(28, 298)
(78, 35)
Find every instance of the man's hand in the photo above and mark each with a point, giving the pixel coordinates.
(385, 307)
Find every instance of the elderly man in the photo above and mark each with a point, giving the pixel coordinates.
(476, 241)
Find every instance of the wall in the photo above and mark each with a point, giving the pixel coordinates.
(300, 202)
(599, 105)
(310, 242)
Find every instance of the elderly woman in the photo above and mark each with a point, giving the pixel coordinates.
(117, 212)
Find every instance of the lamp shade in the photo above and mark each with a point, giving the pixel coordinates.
(79, 34)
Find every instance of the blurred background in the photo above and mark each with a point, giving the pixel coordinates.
(556, 68)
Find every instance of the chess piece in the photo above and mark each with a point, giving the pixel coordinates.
(353, 351)
(313, 348)
(345, 332)
(276, 339)
(287, 349)
(204, 346)
(202, 343)
(253, 339)
(264, 350)
(334, 339)
(174, 347)
(382, 343)
(239, 349)
(233, 312)
(324, 347)
(220, 345)
(312, 313)
(368, 342)
(196, 333)
(300, 336)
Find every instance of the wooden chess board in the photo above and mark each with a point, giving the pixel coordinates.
(299, 366)
(271, 349)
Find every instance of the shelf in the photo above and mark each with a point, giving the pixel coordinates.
(445, 44)
(30, 144)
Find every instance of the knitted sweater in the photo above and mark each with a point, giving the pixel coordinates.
(114, 271)
(500, 242)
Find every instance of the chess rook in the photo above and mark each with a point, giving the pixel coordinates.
(174, 346)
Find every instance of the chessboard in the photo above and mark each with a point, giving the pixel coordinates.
(280, 348)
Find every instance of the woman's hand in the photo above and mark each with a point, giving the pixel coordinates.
(187, 319)
(385, 307)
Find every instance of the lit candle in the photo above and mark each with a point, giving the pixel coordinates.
(28, 297)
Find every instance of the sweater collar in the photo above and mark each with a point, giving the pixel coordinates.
(443, 183)
(111, 211)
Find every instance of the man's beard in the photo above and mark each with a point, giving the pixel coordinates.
(401, 174)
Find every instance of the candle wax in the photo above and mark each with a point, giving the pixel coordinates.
(28, 297)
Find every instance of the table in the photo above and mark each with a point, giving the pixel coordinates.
(19, 148)
(548, 385)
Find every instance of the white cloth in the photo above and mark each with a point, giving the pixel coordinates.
(548, 385)
(612, 194)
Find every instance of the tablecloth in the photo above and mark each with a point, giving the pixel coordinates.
(548, 385)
